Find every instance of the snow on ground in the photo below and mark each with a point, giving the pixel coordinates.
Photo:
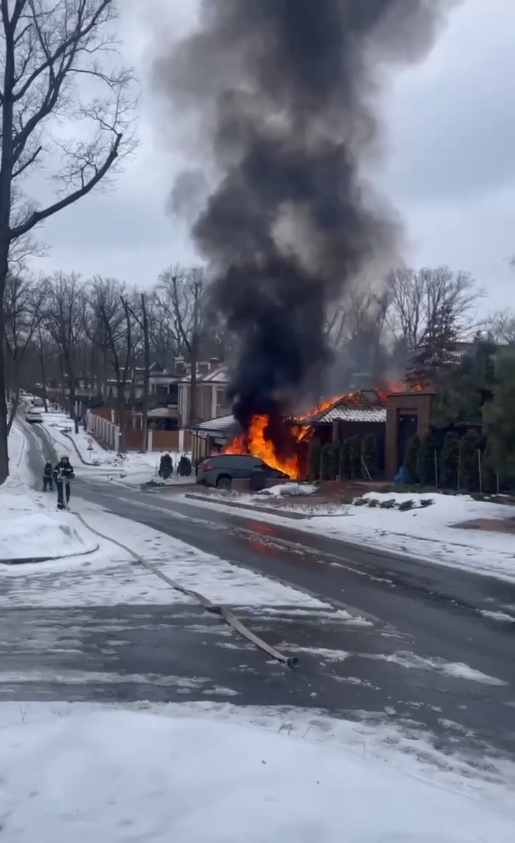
(110, 577)
(17, 447)
(458, 670)
(40, 534)
(30, 527)
(207, 774)
(427, 533)
(219, 581)
(130, 469)
(289, 490)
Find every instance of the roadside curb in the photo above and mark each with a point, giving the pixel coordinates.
(36, 560)
(294, 516)
(83, 461)
(163, 487)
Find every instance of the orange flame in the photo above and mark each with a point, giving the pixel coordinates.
(262, 448)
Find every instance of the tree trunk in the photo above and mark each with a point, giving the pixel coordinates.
(146, 375)
(193, 386)
(43, 373)
(71, 392)
(120, 403)
(4, 454)
(16, 398)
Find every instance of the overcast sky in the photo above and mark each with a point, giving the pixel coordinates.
(450, 170)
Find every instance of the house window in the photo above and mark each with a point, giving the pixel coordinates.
(222, 402)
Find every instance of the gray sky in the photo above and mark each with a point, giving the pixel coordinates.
(450, 168)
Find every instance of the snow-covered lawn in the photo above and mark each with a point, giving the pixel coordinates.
(424, 532)
(213, 774)
(130, 469)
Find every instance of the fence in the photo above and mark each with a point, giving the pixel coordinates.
(102, 423)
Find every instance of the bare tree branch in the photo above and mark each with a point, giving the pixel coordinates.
(66, 107)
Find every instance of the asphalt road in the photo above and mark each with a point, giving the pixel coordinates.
(422, 618)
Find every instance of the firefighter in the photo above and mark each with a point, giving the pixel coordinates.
(63, 473)
(48, 477)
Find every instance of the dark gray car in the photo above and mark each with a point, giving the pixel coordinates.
(221, 469)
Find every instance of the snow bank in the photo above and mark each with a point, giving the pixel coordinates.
(290, 490)
(41, 534)
(19, 470)
(28, 529)
(118, 776)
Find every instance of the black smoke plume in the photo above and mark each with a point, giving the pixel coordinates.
(286, 95)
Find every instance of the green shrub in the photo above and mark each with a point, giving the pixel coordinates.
(406, 505)
(314, 459)
(389, 504)
(369, 456)
(411, 458)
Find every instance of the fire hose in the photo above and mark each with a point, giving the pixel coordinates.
(228, 616)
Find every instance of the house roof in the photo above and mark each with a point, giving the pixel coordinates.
(364, 406)
(353, 414)
(222, 425)
(162, 413)
(219, 375)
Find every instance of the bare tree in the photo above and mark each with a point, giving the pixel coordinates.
(57, 65)
(23, 301)
(139, 312)
(181, 296)
(65, 319)
(500, 326)
(419, 300)
(110, 307)
(335, 320)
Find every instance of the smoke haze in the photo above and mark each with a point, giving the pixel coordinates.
(285, 95)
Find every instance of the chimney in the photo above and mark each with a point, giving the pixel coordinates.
(180, 365)
(203, 368)
(213, 363)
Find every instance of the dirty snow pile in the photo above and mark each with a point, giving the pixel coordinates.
(287, 490)
(116, 776)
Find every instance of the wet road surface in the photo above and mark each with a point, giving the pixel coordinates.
(424, 625)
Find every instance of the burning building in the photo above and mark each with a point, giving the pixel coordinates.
(283, 96)
(390, 415)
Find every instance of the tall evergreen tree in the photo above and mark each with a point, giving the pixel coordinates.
(411, 458)
(369, 455)
(314, 459)
(499, 422)
(465, 389)
(435, 354)
(469, 461)
(355, 458)
(426, 463)
(449, 461)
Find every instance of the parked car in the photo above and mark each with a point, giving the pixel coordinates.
(221, 469)
(33, 415)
